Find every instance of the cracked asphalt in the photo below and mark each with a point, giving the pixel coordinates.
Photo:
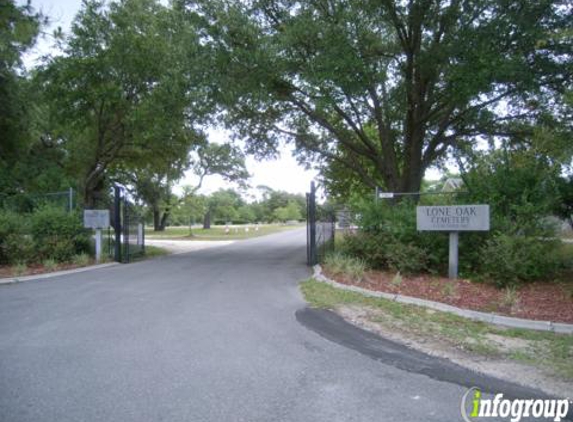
(219, 334)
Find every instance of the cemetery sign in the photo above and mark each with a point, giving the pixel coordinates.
(453, 219)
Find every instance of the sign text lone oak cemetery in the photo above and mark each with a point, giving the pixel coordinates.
(453, 219)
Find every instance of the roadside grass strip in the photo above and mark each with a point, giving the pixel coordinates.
(549, 351)
(152, 252)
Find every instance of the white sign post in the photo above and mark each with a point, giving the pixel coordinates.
(97, 219)
(453, 219)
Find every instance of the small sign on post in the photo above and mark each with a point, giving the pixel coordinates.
(98, 220)
(385, 195)
(453, 219)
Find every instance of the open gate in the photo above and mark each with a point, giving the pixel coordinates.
(320, 228)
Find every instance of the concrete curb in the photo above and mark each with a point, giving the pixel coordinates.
(505, 321)
(55, 273)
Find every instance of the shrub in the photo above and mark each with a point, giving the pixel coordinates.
(508, 260)
(50, 264)
(406, 258)
(11, 228)
(20, 269)
(340, 264)
(81, 260)
(368, 247)
(19, 248)
(389, 239)
(58, 235)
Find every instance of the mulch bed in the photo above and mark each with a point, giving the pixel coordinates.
(539, 301)
(34, 269)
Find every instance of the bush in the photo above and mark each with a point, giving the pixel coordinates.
(389, 239)
(58, 235)
(368, 247)
(82, 259)
(406, 258)
(508, 260)
(19, 248)
(10, 224)
(340, 264)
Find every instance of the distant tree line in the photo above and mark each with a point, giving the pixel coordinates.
(227, 206)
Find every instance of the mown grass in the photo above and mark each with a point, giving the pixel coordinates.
(218, 232)
(548, 351)
(151, 252)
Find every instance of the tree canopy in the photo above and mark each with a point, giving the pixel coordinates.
(120, 98)
(379, 91)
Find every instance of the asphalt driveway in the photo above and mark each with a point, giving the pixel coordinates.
(220, 334)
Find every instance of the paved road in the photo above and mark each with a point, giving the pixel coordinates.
(217, 335)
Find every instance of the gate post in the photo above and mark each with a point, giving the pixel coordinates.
(117, 220)
(312, 225)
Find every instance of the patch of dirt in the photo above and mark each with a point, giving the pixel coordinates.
(369, 319)
(539, 301)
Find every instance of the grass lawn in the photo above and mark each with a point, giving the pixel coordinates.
(548, 351)
(151, 252)
(218, 232)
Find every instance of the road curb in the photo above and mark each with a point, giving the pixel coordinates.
(14, 280)
(527, 324)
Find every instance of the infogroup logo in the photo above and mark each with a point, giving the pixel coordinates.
(474, 407)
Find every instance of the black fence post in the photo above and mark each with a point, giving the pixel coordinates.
(308, 229)
(125, 230)
(117, 220)
(312, 219)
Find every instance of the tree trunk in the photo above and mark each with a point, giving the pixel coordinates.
(164, 218)
(207, 220)
(156, 218)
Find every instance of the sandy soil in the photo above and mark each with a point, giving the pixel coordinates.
(500, 368)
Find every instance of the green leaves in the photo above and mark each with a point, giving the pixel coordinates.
(426, 77)
(123, 96)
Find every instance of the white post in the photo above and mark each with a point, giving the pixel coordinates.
(98, 245)
(453, 263)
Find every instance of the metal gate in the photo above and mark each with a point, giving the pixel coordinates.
(320, 228)
(129, 226)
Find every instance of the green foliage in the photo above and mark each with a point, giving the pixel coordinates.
(341, 264)
(122, 97)
(81, 260)
(512, 259)
(406, 258)
(19, 247)
(521, 188)
(11, 225)
(20, 268)
(377, 92)
(58, 235)
(389, 239)
(564, 208)
(19, 27)
(288, 213)
(50, 264)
